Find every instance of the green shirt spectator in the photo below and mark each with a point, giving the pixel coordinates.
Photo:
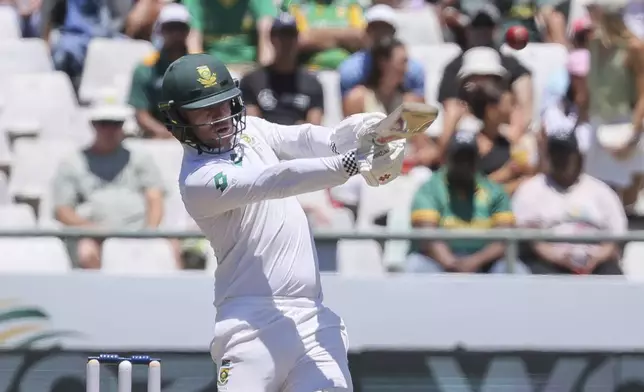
(330, 15)
(435, 204)
(225, 28)
(145, 91)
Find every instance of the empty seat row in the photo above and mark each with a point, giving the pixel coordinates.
(110, 63)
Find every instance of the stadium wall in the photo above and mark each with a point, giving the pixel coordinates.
(407, 333)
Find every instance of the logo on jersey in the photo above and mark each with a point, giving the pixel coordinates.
(248, 139)
(206, 77)
(224, 373)
(221, 181)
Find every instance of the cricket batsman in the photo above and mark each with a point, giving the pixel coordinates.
(238, 181)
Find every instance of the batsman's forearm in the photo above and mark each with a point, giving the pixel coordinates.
(285, 179)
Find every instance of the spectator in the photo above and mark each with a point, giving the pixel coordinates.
(330, 30)
(283, 92)
(565, 201)
(634, 17)
(142, 19)
(571, 110)
(401, 4)
(558, 83)
(84, 20)
(383, 90)
(219, 27)
(146, 81)
(480, 32)
(458, 196)
(484, 89)
(27, 14)
(381, 23)
(531, 13)
(616, 106)
(107, 186)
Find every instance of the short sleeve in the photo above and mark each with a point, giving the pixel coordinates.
(148, 173)
(64, 185)
(316, 93)
(415, 78)
(196, 14)
(247, 86)
(514, 67)
(448, 87)
(138, 93)
(352, 72)
(501, 210)
(263, 8)
(616, 220)
(524, 206)
(425, 207)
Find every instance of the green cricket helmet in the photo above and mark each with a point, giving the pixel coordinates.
(198, 81)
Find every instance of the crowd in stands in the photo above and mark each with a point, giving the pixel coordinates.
(546, 137)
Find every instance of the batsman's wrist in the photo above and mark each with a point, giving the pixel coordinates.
(349, 163)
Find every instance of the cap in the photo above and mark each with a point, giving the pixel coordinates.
(173, 12)
(578, 63)
(615, 136)
(483, 13)
(110, 112)
(482, 60)
(284, 22)
(562, 137)
(381, 13)
(462, 140)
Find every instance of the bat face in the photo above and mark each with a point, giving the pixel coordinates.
(407, 120)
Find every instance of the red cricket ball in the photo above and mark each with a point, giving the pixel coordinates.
(517, 37)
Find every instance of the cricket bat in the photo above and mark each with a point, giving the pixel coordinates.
(409, 119)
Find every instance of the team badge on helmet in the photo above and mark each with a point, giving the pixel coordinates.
(206, 77)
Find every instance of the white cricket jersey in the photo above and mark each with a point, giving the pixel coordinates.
(244, 202)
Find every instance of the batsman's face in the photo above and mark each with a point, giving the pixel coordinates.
(213, 125)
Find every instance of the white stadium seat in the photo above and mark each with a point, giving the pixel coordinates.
(4, 189)
(42, 104)
(330, 81)
(434, 59)
(108, 68)
(375, 202)
(418, 27)
(167, 155)
(17, 216)
(633, 261)
(138, 256)
(359, 258)
(27, 55)
(399, 218)
(35, 164)
(33, 255)
(543, 60)
(9, 25)
(5, 150)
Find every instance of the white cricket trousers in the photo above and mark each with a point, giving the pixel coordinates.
(279, 345)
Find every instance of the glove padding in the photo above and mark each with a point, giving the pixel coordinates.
(380, 164)
(347, 135)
